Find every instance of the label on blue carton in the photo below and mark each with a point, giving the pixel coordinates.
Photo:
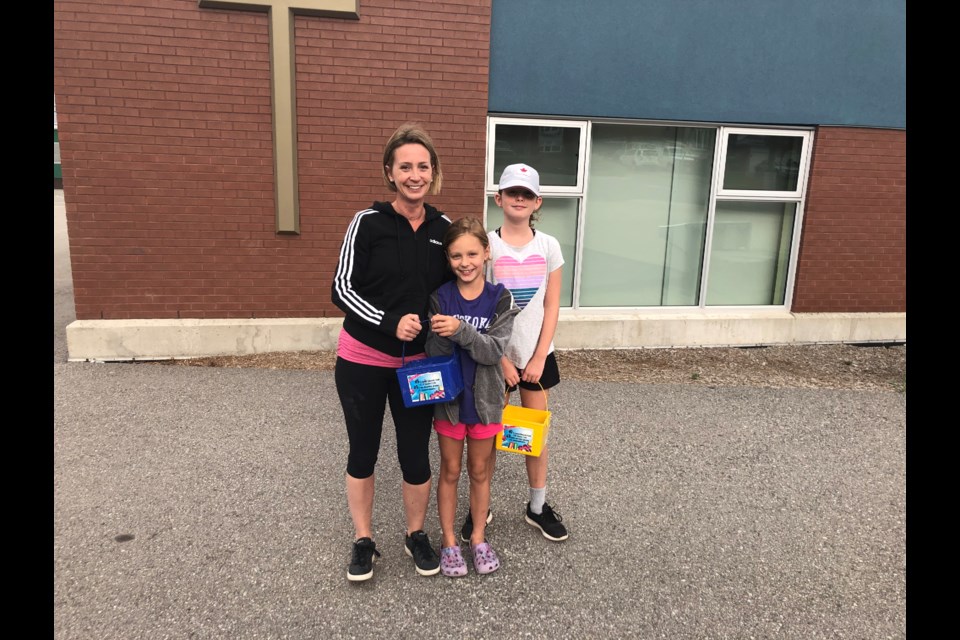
(425, 386)
(517, 439)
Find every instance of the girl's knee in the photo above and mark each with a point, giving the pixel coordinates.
(479, 472)
(450, 470)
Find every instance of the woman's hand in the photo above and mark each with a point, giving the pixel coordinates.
(409, 327)
(444, 326)
(510, 374)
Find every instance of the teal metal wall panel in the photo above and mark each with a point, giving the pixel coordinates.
(818, 62)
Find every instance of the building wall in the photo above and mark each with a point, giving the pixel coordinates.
(164, 124)
(166, 142)
(817, 62)
(57, 175)
(838, 66)
(853, 244)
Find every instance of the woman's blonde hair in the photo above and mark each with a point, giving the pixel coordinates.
(462, 227)
(407, 133)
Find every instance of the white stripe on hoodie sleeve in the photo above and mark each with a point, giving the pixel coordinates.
(341, 278)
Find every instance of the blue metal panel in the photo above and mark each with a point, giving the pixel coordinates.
(817, 62)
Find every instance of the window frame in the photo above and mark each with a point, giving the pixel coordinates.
(492, 123)
(716, 194)
(724, 134)
(719, 194)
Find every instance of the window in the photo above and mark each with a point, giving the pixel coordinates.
(553, 148)
(645, 220)
(762, 162)
(662, 215)
(750, 253)
(756, 216)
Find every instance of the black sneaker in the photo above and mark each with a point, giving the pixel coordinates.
(425, 559)
(467, 529)
(549, 523)
(361, 565)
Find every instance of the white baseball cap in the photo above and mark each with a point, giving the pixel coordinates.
(520, 175)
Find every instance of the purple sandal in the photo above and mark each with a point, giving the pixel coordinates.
(485, 559)
(452, 563)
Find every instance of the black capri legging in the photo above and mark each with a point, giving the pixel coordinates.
(363, 391)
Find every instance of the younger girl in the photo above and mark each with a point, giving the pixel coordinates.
(477, 317)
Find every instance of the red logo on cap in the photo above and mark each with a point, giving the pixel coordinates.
(523, 169)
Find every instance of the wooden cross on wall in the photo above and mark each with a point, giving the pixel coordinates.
(283, 88)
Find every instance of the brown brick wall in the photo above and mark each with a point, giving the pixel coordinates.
(166, 144)
(853, 246)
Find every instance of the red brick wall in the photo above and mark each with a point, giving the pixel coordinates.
(166, 144)
(853, 247)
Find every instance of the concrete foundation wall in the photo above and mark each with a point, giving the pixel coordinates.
(124, 340)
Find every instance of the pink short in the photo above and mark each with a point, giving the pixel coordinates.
(473, 431)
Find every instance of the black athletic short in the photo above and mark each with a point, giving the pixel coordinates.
(549, 378)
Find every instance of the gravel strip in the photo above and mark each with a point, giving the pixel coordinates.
(826, 366)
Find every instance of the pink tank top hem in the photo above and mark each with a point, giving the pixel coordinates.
(352, 350)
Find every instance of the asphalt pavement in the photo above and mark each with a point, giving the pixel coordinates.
(203, 502)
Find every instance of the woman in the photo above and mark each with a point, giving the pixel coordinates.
(391, 260)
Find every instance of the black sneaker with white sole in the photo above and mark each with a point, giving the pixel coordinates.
(549, 522)
(425, 558)
(467, 529)
(361, 564)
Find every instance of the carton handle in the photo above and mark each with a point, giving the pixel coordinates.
(403, 353)
(546, 399)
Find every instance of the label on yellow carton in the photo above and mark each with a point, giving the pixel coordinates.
(517, 439)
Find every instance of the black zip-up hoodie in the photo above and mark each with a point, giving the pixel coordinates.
(385, 271)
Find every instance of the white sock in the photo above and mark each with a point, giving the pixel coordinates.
(537, 498)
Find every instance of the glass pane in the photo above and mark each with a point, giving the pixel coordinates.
(552, 151)
(750, 254)
(558, 217)
(647, 200)
(765, 163)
